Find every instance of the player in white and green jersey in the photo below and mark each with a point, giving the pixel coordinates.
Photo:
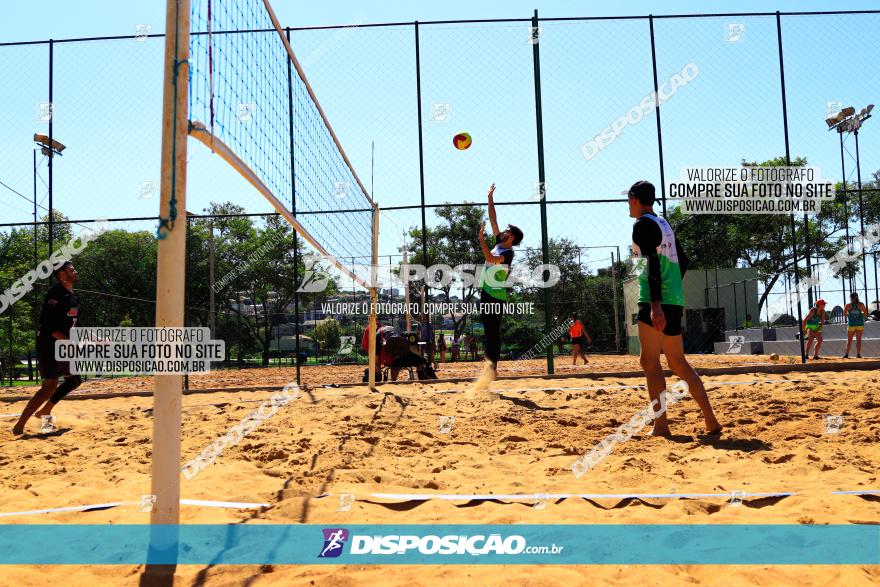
(661, 305)
(493, 291)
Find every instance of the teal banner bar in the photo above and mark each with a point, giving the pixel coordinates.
(440, 544)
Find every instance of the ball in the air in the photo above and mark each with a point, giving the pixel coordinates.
(462, 141)
(774, 357)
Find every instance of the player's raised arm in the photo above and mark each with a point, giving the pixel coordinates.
(487, 254)
(493, 220)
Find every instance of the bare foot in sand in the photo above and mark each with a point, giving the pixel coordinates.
(18, 431)
(661, 431)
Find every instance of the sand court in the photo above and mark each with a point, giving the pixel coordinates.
(797, 448)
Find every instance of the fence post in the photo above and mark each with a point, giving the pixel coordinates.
(421, 155)
(735, 308)
(545, 247)
(657, 108)
(51, 147)
(616, 311)
(788, 162)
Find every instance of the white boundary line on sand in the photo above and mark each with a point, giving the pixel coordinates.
(533, 496)
(638, 386)
(358, 391)
(447, 497)
(545, 496)
(104, 506)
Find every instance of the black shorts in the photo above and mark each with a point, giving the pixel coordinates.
(410, 359)
(581, 340)
(673, 317)
(48, 366)
(396, 346)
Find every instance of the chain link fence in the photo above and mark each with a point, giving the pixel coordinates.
(557, 112)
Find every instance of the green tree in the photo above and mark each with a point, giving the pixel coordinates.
(328, 335)
(452, 242)
(255, 275)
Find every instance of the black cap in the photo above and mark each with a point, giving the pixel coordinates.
(643, 191)
(63, 265)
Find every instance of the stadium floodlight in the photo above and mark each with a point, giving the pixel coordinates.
(49, 146)
(840, 118)
(848, 121)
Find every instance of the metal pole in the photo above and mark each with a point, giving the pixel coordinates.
(788, 162)
(51, 144)
(212, 318)
(421, 154)
(374, 299)
(807, 257)
(545, 247)
(293, 212)
(735, 308)
(36, 262)
(788, 294)
(876, 285)
(717, 290)
(845, 211)
(406, 296)
(36, 258)
(11, 349)
(746, 300)
(657, 107)
(861, 214)
(614, 293)
(706, 289)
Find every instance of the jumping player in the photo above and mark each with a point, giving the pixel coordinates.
(493, 295)
(58, 315)
(661, 303)
(579, 339)
(855, 312)
(812, 327)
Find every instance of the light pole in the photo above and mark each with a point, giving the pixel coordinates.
(49, 147)
(850, 121)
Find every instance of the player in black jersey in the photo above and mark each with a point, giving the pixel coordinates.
(59, 314)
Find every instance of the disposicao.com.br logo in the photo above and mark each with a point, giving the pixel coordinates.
(430, 544)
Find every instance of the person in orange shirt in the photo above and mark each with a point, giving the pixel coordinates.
(579, 339)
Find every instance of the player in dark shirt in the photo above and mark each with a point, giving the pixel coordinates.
(492, 296)
(661, 304)
(59, 314)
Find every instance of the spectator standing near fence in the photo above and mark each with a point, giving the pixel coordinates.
(456, 348)
(426, 338)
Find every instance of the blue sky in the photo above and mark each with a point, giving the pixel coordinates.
(108, 100)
